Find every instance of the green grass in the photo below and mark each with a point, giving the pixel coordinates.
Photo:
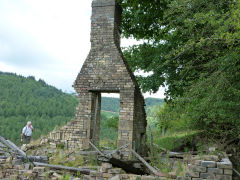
(175, 140)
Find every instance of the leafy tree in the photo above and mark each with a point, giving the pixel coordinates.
(184, 40)
(192, 48)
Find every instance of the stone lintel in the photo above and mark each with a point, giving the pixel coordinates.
(106, 90)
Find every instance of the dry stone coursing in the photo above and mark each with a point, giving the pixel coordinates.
(209, 168)
(105, 70)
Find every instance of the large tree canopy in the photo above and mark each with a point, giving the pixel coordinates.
(185, 40)
(192, 47)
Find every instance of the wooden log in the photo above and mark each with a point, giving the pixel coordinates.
(117, 150)
(41, 159)
(237, 173)
(99, 152)
(12, 146)
(127, 166)
(152, 169)
(66, 168)
(163, 149)
(93, 152)
(17, 149)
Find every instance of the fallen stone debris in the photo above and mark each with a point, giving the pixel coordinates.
(16, 164)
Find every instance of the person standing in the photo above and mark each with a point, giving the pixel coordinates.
(27, 133)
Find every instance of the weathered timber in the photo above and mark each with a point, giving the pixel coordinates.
(93, 152)
(97, 149)
(117, 150)
(12, 146)
(237, 173)
(42, 159)
(66, 168)
(125, 165)
(163, 149)
(16, 149)
(152, 169)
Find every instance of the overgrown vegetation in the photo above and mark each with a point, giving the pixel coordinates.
(109, 129)
(192, 48)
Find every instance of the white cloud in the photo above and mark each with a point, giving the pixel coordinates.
(49, 39)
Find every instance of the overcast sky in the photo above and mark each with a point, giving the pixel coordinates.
(49, 39)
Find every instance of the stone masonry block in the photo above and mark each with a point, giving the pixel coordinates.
(197, 162)
(210, 164)
(224, 177)
(114, 171)
(107, 175)
(225, 163)
(107, 165)
(228, 171)
(95, 174)
(192, 174)
(207, 176)
(195, 168)
(215, 170)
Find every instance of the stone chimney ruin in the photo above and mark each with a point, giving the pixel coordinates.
(105, 71)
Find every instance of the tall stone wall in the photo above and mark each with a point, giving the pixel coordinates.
(106, 70)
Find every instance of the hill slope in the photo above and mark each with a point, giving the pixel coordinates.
(23, 99)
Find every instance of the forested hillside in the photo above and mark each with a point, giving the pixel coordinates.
(24, 99)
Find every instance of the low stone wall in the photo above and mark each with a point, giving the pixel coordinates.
(209, 168)
(15, 169)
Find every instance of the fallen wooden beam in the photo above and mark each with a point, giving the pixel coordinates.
(152, 169)
(117, 150)
(94, 152)
(59, 167)
(96, 149)
(163, 149)
(236, 172)
(41, 159)
(125, 165)
(17, 149)
(12, 146)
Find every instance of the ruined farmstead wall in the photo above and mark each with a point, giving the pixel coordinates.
(105, 70)
(210, 168)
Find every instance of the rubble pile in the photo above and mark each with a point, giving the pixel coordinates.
(16, 164)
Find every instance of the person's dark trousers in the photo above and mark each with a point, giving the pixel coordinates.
(27, 139)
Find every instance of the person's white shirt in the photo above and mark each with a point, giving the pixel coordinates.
(27, 131)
